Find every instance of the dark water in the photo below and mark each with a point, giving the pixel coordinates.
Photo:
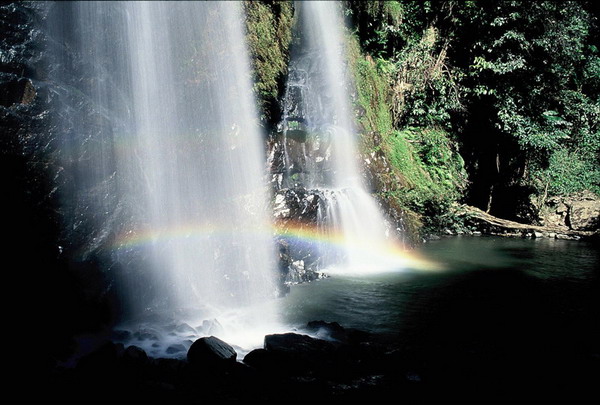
(508, 318)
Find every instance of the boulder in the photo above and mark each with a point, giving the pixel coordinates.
(16, 91)
(174, 349)
(328, 330)
(135, 355)
(210, 327)
(297, 345)
(584, 214)
(293, 354)
(185, 328)
(334, 331)
(578, 212)
(211, 353)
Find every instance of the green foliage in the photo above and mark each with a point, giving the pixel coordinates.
(432, 168)
(425, 88)
(427, 171)
(434, 173)
(269, 33)
(517, 84)
(533, 64)
(372, 88)
(567, 173)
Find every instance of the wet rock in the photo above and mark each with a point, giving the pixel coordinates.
(211, 353)
(169, 366)
(262, 359)
(14, 90)
(145, 334)
(296, 344)
(135, 355)
(174, 349)
(103, 359)
(185, 328)
(121, 335)
(298, 203)
(293, 353)
(299, 260)
(210, 327)
(328, 330)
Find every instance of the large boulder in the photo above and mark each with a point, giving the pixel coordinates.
(584, 214)
(211, 353)
(292, 354)
(578, 212)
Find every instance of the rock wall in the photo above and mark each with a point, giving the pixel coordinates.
(49, 290)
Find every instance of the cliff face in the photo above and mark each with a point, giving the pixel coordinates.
(44, 293)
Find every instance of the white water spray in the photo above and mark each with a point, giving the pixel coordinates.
(317, 103)
(171, 84)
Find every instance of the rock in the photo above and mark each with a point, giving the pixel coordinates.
(328, 330)
(295, 343)
(293, 353)
(121, 335)
(135, 355)
(16, 91)
(210, 327)
(103, 359)
(211, 353)
(578, 211)
(174, 349)
(145, 334)
(334, 331)
(297, 203)
(262, 359)
(185, 328)
(584, 215)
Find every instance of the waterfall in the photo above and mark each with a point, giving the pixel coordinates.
(319, 142)
(162, 146)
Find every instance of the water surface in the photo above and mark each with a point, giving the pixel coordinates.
(510, 319)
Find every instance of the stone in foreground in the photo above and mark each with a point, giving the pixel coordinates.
(211, 352)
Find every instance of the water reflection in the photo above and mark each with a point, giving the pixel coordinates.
(510, 281)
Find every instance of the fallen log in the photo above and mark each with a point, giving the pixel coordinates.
(489, 224)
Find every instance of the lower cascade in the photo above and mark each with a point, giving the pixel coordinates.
(319, 152)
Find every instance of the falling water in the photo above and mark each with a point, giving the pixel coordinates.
(320, 145)
(169, 174)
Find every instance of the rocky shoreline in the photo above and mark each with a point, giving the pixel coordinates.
(322, 363)
(331, 364)
(563, 222)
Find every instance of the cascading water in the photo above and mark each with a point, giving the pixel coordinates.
(320, 150)
(167, 164)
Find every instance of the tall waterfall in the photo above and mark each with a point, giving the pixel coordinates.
(166, 159)
(319, 140)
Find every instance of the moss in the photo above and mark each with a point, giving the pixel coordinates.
(425, 173)
(269, 33)
(372, 94)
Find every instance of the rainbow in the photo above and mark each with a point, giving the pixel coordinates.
(392, 252)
